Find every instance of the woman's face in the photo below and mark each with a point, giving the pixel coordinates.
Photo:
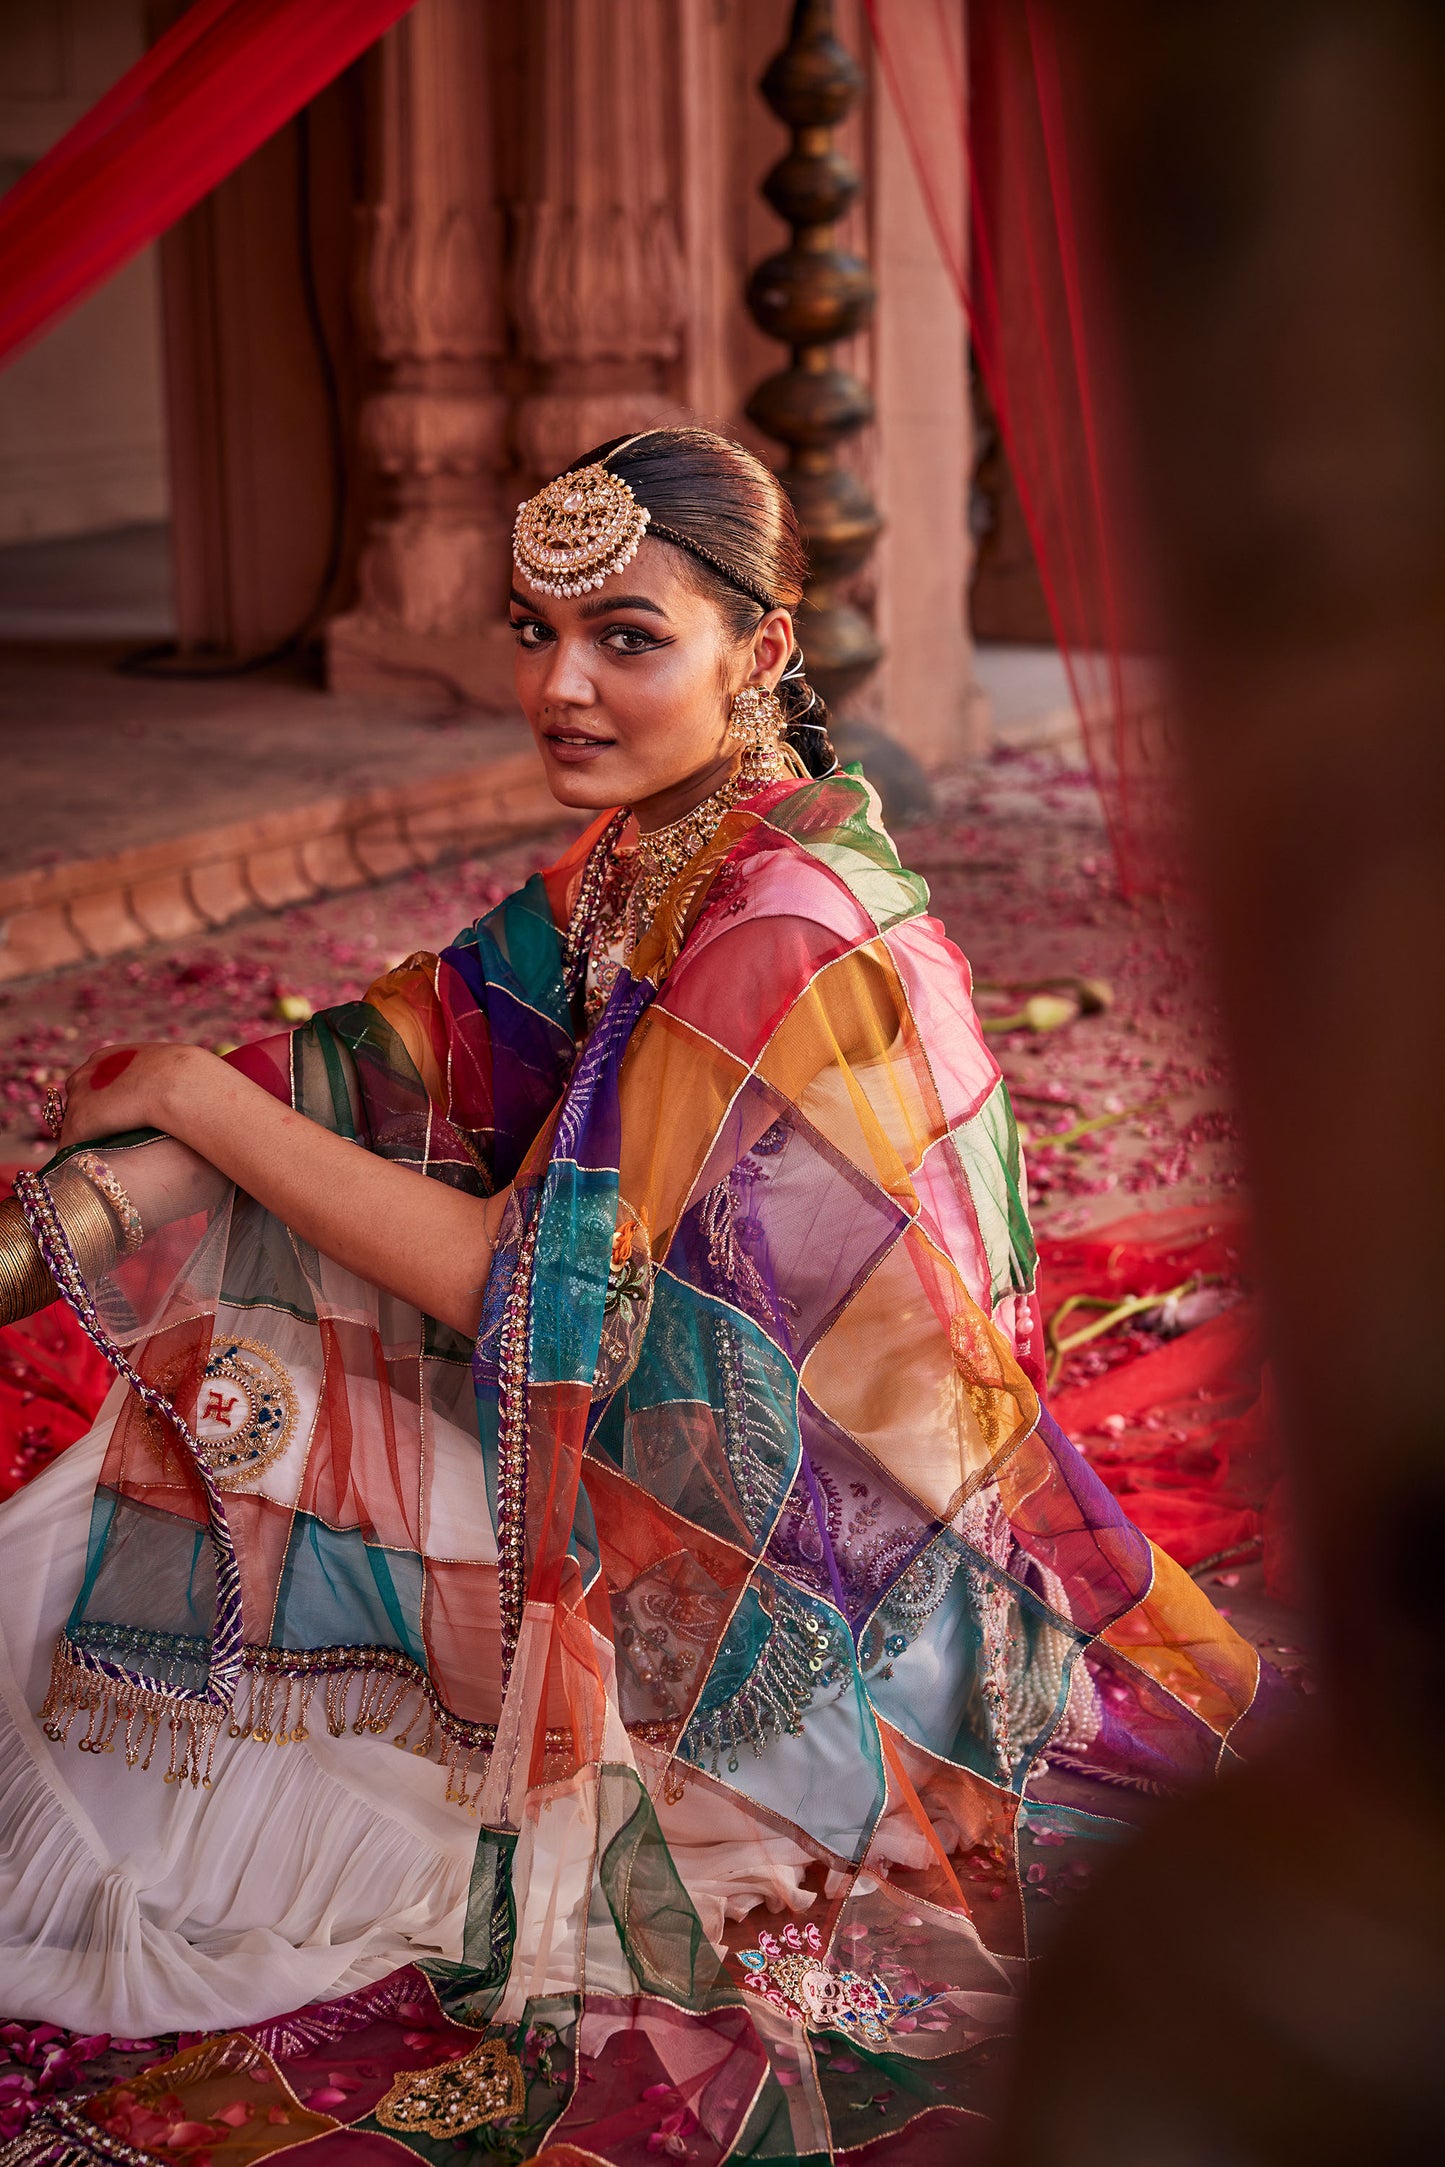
(628, 688)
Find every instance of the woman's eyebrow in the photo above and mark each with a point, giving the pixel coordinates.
(608, 602)
(522, 602)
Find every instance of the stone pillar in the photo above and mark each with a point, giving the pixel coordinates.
(600, 293)
(426, 631)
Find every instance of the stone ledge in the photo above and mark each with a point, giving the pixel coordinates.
(90, 908)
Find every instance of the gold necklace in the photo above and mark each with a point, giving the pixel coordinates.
(622, 888)
(662, 853)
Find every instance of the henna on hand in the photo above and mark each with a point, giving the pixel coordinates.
(110, 1066)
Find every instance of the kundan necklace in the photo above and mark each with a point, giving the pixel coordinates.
(661, 853)
(623, 883)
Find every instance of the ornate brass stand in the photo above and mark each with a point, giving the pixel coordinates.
(808, 296)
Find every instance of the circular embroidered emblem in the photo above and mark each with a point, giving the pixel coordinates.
(245, 1411)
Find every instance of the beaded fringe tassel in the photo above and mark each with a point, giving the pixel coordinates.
(134, 1715)
(363, 1690)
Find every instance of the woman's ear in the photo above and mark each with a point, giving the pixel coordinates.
(772, 645)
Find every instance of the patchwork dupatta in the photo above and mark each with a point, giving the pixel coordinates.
(736, 1565)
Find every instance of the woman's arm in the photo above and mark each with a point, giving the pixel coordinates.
(427, 1243)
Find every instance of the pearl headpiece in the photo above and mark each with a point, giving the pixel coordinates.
(577, 531)
(588, 524)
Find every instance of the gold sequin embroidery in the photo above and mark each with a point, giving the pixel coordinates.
(450, 2098)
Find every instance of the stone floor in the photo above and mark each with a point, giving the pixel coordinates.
(144, 805)
(143, 808)
(112, 585)
(96, 762)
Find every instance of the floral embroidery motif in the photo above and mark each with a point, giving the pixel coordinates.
(452, 2097)
(626, 1305)
(628, 1279)
(789, 1970)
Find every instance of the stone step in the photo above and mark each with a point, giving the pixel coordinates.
(85, 908)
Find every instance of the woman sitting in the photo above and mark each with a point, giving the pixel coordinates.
(604, 1364)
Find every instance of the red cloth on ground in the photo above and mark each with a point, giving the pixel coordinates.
(1182, 1429)
(52, 1382)
(222, 79)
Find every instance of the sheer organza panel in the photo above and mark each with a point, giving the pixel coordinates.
(988, 116)
(298, 1442)
(223, 78)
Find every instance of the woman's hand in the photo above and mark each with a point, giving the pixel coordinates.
(126, 1087)
(422, 1240)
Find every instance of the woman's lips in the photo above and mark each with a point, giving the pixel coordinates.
(575, 747)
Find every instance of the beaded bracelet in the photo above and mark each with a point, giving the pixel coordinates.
(101, 1177)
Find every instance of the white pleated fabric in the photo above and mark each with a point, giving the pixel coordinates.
(133, 1906)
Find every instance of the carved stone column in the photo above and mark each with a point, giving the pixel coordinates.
(432, 576)
(600, 295)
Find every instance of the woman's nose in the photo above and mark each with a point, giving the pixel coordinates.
(568, 681)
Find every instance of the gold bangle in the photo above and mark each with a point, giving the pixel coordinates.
(25, 1284)
(103, 1180)
(25, 1281)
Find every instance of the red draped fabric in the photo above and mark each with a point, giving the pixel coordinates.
(986, 120)
(52, 1382)
(1181, 1427)
(214, 87)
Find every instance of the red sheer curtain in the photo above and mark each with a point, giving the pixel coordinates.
(220, 80)
(987, 124)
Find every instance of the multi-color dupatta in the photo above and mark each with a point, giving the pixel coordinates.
(759, 1610)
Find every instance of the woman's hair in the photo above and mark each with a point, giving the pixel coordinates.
(732, 518)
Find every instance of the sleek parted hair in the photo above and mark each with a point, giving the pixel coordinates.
(733, 519)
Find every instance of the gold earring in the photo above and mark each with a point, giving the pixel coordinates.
(756, 721)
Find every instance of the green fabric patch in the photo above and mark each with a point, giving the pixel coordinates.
(660, 1932)
(839, 822)
(988, 1146)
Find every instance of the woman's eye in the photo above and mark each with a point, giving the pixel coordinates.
(530, 631)
(628, 639)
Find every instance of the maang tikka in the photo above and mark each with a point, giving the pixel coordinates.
(587, 525)
(577, 531)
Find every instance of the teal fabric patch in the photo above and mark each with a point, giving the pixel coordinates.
(569, 1282)
(148, 1568)
(337, 1589)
